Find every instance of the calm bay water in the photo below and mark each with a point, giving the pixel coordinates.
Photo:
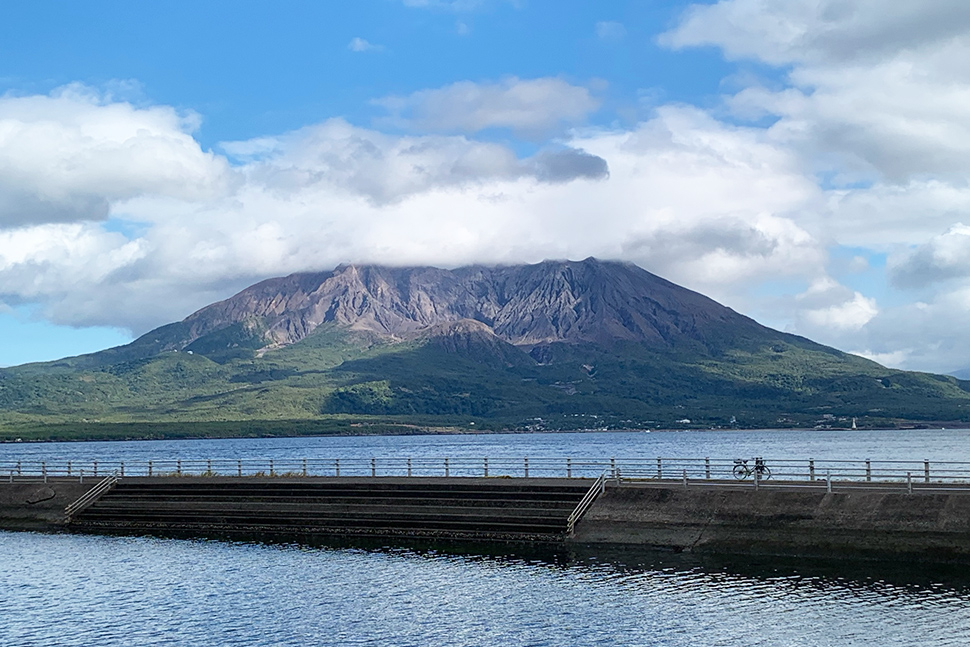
(86, 590)
(89, 590)
(931, 444)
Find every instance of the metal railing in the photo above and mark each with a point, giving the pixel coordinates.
(596, 489)
(691, 470)
(90, 496)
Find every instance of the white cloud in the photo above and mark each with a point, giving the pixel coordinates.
(527, 106)
(358, 44)
(334, 193)
(942, 258)
(781, 32)
(874, 100)
(67, 156)
(852, 314)
(346, 159)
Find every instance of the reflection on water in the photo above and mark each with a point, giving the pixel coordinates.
(90, 590)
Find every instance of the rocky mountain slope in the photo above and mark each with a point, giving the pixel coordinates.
(525, 305)
(552, 345)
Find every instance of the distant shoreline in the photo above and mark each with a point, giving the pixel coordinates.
(110, 432)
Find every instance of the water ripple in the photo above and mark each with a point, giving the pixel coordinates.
(85, 590)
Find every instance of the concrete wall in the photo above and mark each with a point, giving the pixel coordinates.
(932, 526)
(38, 505)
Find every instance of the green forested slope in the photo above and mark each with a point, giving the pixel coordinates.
(338, 381)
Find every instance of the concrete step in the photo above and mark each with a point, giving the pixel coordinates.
(258, 507)
(460, 506)
(463, 493)
(125, 500)
(326, 521)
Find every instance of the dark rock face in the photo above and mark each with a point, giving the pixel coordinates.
(523, 305)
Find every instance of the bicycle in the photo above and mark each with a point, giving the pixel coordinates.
(742, 470)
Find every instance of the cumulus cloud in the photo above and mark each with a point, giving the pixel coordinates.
(872, 100)
(527, 106)
(334, 192)
(942, 258)
(921, 335)
(384, 168)
(781, 32)
(68, 155)
(874, 95)
(568, 164)
(828, 305)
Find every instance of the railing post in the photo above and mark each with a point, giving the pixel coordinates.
(868, 470)
(80, 477)
(707, 467)
(178, 467)
(68, 468)
(525, 463)
(660, 469)
(613, 467)
(373, 467)
(11, 476)
(122, 469)
(569, 468)
(272, 472)
(239, 467)
(95, 468)
(409, 466)
(685, 478)
(149, 468)
(43, 470)
(926, 471)
(811, 469)
(757, 478)
(18, 468)
(304, 467)
(828, 481)
(446, 467)
(208, 467)
(485, 464)
(909, 482)
(336, 466)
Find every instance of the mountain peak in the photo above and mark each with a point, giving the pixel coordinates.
(587, 301)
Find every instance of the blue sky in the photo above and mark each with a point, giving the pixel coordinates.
(252, 68)
(803, 161)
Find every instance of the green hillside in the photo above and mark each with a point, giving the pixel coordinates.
(337, 381)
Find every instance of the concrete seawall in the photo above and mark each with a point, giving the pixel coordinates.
(35, 505)
(927, 525)
(852, 522)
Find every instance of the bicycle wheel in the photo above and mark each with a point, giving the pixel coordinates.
(741, 472)
(765, 473)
